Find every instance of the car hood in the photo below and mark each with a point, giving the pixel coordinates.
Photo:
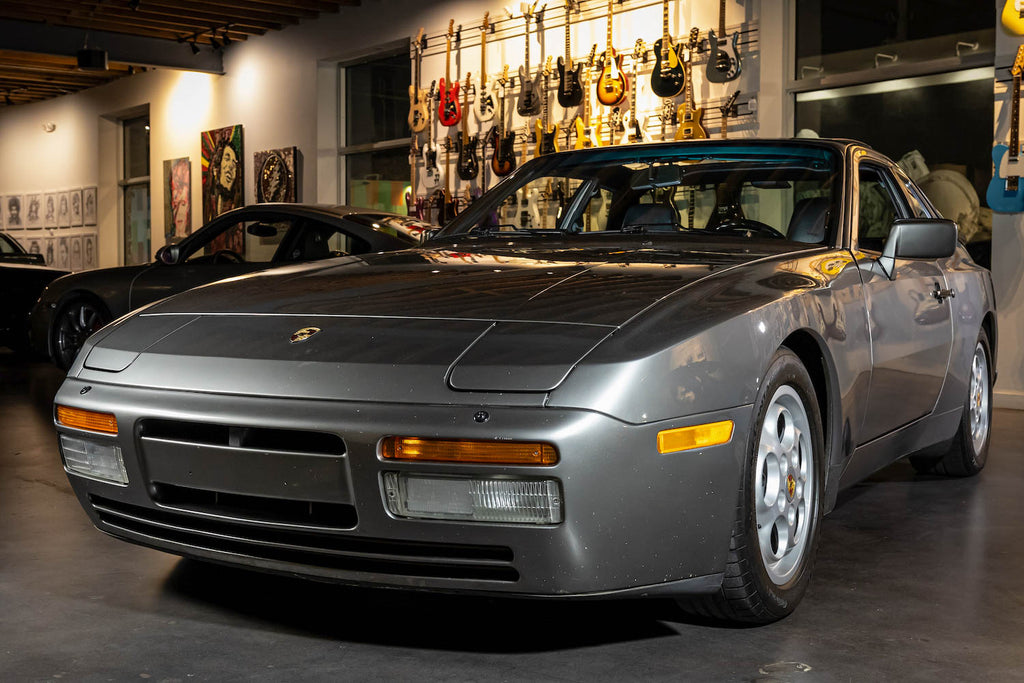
(489, 319)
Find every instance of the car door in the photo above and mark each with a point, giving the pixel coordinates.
(910, 325)
(222, 249)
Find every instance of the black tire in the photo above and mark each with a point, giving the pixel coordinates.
(969, 451)
(756, 590)
(74, 323)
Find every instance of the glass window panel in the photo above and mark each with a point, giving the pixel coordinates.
(377, 100)
(378, 179)
(136, 147)
(876, 209)
(136, 224)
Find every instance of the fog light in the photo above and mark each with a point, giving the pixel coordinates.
(469, 499)
(95, 460)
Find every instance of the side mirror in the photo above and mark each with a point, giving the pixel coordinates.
(168, 254)
(38, 259)
(918, 238)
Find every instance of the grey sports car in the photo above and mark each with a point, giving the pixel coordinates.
(237, 242)
(630, 371)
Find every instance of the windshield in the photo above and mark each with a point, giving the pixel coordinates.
(779, 191)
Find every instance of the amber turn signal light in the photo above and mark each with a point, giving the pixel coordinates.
(88, 420)
(697, 436)
(464, 450)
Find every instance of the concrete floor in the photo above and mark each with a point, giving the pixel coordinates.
(917, 579)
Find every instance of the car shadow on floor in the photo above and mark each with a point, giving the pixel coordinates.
(418, 619)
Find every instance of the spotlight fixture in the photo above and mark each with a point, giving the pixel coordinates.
(225, 38)
(195, 48)
(215, 43)
(92, 59)
(134, 4)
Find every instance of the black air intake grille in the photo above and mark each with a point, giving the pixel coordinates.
(259, 438)
(161, 528)
(255, 508)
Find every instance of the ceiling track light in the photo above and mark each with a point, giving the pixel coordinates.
(134, 4)
(215, 43)
(195, 48)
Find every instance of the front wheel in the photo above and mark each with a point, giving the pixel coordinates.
(77, 320)
(778, 512)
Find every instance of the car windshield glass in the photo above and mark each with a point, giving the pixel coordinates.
(774, 190)
(7, 246)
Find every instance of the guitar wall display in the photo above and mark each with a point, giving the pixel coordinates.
(588, 102)
(1005, 192)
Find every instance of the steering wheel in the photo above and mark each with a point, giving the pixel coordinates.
(227, 256)
(748, 225)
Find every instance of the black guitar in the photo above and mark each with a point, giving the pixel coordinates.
(570, 90)
(443, 199)
(724, 62)
(467, 165)
(503, 161)
(547, 135)
(669, 76)
(529, 97)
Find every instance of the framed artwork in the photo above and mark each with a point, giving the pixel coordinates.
(177, 199)
(63, 254)
(50, 245)
(222, 170)
(63, 209)
(89, 205)
(12, 208)
(34, 210)
(76, 207)
(89, 252)
(34, 245)
(50, 210)
(275, 175)
(76, 252)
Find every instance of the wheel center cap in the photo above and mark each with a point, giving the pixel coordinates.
(790, 486)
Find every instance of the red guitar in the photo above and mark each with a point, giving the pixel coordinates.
(449, 111)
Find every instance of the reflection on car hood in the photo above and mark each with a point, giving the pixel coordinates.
(407, 326)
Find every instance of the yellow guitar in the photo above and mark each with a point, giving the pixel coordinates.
(1013, 16)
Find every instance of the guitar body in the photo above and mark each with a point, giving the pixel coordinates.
(1001, 198)
(432, 176)
(417, 109)
(612, 85)
(529, 94)
(547, 141)
(467, 166)
(585, 135)
(446, 206)
(690, 126)
(570, 91)
(503, 161)
(483, 109)
(668, 78)
(449, 111)
(1011, 17)
(635, 133)
(724, 61)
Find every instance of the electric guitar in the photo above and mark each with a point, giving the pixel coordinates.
(570, 92)
(467, 164)
(586, 136)
(634, 131)
(448, 110)
(724, 61)
(669, 76)
(410, 196)
(484, 107)
(728, 110)
(417, 95)
(529, 100)
(1005, 193)
(547, 137)
(668, 115)
(503, 161)
(689, 116)
(431, 171)
(1013, 16)
(447, 207)
(612, 83)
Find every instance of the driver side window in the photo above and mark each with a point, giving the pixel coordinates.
(876, 208)
(250, 241)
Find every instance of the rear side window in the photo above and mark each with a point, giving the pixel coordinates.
(876, 207)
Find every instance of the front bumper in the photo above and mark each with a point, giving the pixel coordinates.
(635, 522)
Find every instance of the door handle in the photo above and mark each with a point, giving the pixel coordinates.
(941, 294)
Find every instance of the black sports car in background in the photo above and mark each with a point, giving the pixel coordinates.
(258, 237)
(22, 277)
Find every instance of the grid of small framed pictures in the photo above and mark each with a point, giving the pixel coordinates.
(60, 224)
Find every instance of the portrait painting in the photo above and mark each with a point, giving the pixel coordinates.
(63, 209)
(89, 249)
(12, 208)
(35, 246)
(89, 205)
(63, 254)
(222, 182)
(50, 244)
(275, 175)
(76, 252)
(177, 199)
(34, 210)
(76, 207)
(50, 210)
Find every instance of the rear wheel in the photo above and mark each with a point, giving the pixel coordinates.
(778, 513)
(75, 322)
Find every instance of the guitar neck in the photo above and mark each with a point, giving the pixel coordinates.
(721, 19)
(527, 46)
(568, 44)
(664, 32)
(1015, 119)
(448, 63)
(611, 10)
(483, 58)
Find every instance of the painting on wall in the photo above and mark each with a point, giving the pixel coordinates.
(63, 256)
(50, 210)
(12, 211)
(76, 207)
(222, 182)
(76, 252)
(275, 175)
(89, 259)
(35, 245)
(34, 210)
(89, 205)
(177, 199)
(50, 244)
(63, 209)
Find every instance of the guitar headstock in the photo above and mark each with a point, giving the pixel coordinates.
(593, 56)
(466, 86)
(487, 22)
(694, 40)
(547, 66)
(1018, 63)
(640, 51)
(451, 29)
(432, 95)
(726, 108)
(528, 10)
(503, 78)
(418, 45)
